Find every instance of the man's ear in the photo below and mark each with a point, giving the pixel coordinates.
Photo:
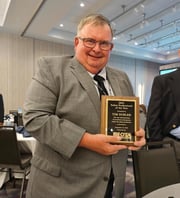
(76, 41)
(112, 46)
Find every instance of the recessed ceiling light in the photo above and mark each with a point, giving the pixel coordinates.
(61, 25)
(82, 4)
(135, 43)
(114, 38)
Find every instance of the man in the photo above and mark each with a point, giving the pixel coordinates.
(62, 111)
(1, 110)
(163, 117)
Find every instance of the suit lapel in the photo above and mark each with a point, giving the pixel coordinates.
(114, 83)
(87, 83)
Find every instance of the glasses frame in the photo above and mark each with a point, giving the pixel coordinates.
(93, 44)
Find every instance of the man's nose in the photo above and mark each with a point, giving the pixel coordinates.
(97, 47)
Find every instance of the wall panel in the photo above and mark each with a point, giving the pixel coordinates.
(4, 65)
(45, 48)
(20, 69)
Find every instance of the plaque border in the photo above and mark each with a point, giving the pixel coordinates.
(104, 114)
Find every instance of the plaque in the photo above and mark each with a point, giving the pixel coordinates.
(120, 117)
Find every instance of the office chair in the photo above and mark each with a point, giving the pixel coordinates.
(11, 160)
(155, 166)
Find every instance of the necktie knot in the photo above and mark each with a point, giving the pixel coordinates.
(98, 78)
(101, 87)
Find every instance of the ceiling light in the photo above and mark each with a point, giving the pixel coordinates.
(139, 9)
(136, 43)
(123, 7)
(142, 6)
(61, 25)
(144, 21)
(82, 4)
(131, 36)
(4, 5)
(136, 10)
(114, 38)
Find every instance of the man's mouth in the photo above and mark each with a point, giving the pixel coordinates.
(95, 56)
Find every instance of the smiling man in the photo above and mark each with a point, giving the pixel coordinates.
(93, 44)
(62, 111)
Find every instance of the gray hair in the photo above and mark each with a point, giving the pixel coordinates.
(95, 19)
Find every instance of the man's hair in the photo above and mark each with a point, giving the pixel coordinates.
(95, 19)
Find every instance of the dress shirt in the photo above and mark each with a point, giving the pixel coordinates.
(176, 132)
(106, 83)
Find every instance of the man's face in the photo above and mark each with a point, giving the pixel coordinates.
(94, 58)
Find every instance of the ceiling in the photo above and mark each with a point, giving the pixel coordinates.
(144, 29)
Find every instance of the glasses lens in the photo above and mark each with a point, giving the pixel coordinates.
(104, 45)
(89, 42)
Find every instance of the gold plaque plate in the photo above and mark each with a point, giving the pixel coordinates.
(120, 117)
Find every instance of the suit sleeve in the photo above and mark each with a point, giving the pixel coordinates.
(154, 111)
(40, 118)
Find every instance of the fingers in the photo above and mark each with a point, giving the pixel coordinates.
(112, 145)
(141, 141)
(111, 138)
(140, 133)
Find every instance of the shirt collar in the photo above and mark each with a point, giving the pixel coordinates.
(101, 73)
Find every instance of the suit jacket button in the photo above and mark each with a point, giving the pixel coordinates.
(173, 126)
(106, 178)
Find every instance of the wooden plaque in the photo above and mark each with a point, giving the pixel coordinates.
(120, 117)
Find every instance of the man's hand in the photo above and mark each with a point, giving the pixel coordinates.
(141, 141)
(101, 143)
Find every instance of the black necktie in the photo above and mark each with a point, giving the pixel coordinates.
(101, 87)
(103, 91)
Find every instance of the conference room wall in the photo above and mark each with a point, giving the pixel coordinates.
(18, 61)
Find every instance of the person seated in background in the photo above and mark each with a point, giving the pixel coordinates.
(1, 110)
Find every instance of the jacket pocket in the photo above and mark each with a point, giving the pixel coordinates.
(46, 166)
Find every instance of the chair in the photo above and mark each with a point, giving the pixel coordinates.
(1, 110)
(155, 166)
(11, 160)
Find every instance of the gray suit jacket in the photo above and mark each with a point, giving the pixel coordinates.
(61, 104)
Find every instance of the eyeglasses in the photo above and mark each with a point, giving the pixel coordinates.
(91, 43)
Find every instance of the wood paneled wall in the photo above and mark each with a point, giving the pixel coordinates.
(18, 59)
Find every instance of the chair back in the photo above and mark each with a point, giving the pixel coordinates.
(9, 150)
(155, 166)
(1, 109)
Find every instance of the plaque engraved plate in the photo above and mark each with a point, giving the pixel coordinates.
(120, 117)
